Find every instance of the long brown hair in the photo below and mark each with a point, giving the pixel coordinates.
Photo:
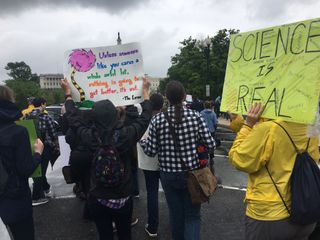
(176, 94)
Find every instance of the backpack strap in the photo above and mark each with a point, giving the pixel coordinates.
(275, 185)
(294, 145)
(308, 145)
(174, 137)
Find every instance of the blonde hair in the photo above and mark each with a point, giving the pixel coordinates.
(6, 93)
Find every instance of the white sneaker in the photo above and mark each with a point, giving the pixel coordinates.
(134, 221)
(150, 233)
(114, 229)
(39, 201)
(48, 193)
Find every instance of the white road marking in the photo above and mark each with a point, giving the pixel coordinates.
(233, 188)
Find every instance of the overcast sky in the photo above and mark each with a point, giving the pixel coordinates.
(39, 32)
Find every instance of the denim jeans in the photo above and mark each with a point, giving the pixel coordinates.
(40, 184)
(152, 185)
(184, 216)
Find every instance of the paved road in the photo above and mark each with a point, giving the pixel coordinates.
(230, 176)
(61, 218)
(222, 218)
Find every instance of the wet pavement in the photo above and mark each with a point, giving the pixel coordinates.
(222, 218)
(61, 218)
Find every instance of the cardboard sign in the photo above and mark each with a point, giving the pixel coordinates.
(29, 125)
(113, 73)
(278, 66)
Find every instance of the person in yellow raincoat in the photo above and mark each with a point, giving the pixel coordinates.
(29, 109)
(260, 143)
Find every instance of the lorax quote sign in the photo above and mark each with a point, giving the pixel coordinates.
(112, 72)
(278, 66)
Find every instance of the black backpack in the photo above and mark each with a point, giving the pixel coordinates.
(3, 176)
(109, 169)
(305, 188)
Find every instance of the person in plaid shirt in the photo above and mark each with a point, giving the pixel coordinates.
(190, 128)
(46, 132)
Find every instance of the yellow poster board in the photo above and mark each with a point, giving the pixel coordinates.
(278, 66)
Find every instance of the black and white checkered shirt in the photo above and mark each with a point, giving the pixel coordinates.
(189, 132)
(45, 126)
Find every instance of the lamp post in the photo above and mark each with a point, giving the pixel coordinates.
(206, 44)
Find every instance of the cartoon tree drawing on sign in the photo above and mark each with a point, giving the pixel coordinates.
(81, 61)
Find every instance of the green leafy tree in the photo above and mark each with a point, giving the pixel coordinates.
(21, 71)
(190, 65)
(162, 85)
(187, 66)
(23, 82)
(219, 57)
(26, 84)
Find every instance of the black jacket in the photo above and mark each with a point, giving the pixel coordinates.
(15, 149)
(131, 115)
(128, 137)
(197, 105)
(76, 143)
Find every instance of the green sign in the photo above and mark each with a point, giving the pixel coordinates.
(29, 125)
(278, 66)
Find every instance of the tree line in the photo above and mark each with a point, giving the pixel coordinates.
(26, 84)
(190, 65)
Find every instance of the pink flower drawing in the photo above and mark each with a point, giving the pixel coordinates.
(82, 60)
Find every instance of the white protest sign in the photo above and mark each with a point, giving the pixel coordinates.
(113, 72)
(189, 98)
(64, 152)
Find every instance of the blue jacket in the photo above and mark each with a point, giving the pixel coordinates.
(211, 119)
(15, 203)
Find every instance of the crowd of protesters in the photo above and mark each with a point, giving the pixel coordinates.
(143, 139)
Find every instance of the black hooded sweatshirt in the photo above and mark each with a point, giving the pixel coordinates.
(106, 122)
(15, 150)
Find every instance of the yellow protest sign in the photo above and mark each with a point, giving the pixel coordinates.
(279, 66)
